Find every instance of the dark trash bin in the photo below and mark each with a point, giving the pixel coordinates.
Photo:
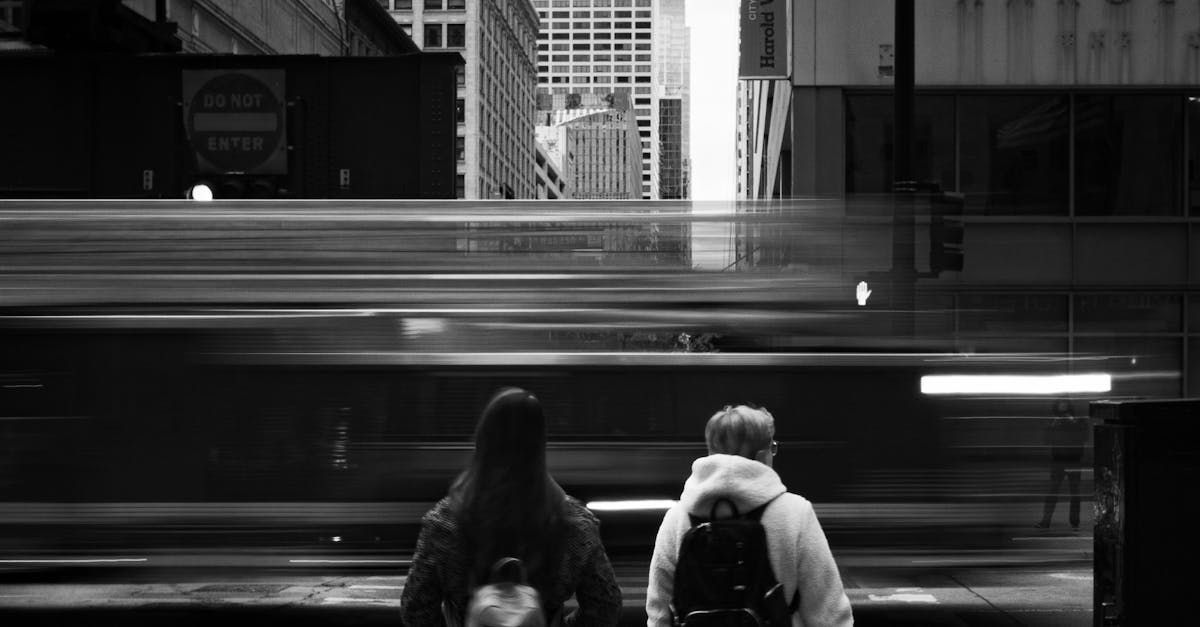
(1147, 535)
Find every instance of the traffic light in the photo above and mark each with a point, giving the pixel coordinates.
(946, 232)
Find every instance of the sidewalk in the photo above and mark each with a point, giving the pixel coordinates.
(1033, 596)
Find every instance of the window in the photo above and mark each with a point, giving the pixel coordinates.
(460, 110)
(603, 68)
(1014, 152)
(581, 57)
(460, 76)
(869, 142)
(623, 25)
(460, 148)
(433, 5)
(456, 35)
(460, 186)
(580, 69)
(402, 5)
(1127, 154)
(456, 5)
(433, 35)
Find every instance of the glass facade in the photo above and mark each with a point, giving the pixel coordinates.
(1038, 153)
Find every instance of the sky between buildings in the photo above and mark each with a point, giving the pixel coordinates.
(714, 49)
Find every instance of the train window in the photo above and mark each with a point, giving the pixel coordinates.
(1127, 154)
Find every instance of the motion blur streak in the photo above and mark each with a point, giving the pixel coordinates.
(240, 383)
(628, 506)
(1016, 384)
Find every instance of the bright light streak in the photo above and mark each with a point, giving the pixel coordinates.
(78, 561)
(200, 191)
(350, 561)
(630, 506)
(1016, 384)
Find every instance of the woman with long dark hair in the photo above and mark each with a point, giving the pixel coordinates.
(505, 504)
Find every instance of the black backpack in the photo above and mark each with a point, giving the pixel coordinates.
(723, 577)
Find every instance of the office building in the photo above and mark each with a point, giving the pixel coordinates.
(1071, 130)
(276, 27)
(596, 139)
(495, 110)
(634, 48)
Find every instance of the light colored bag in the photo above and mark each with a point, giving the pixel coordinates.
(507, 600)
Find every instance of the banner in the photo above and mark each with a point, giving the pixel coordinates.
(766, 39)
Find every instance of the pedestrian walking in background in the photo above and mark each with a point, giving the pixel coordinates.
(737, 474)
(506, 505)
(1066, 436)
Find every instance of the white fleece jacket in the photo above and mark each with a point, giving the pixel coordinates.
(800, 555)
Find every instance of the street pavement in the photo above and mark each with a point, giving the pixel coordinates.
(952, 589)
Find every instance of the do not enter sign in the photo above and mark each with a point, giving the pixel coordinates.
(235, 120)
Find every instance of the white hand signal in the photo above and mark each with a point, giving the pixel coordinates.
(862, 293)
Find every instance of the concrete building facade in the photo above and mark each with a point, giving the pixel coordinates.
(636, 48)
(1071, 129)
(596, 139)
(498, 40)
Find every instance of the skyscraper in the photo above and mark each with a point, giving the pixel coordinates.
(633, 47)
(495, 143)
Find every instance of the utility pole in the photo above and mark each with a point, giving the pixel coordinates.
(904, 270)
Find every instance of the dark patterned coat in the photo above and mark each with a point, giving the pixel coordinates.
(440, 565)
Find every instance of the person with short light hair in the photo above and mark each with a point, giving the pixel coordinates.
(741, 430)
(739, 468)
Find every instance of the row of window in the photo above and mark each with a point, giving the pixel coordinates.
(1075, 153)
(590, 46)
(597, 58)
(558, 15)
(429, 5)
(583, 35)
(587, 69)
(455, 36)
(584, 4)
(620, 89)
(583, 80)
(594, 25)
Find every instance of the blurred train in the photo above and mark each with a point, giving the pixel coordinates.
(292, 372)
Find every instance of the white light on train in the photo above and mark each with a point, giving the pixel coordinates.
(1016, 384)
(200, 191)
(630, 506)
